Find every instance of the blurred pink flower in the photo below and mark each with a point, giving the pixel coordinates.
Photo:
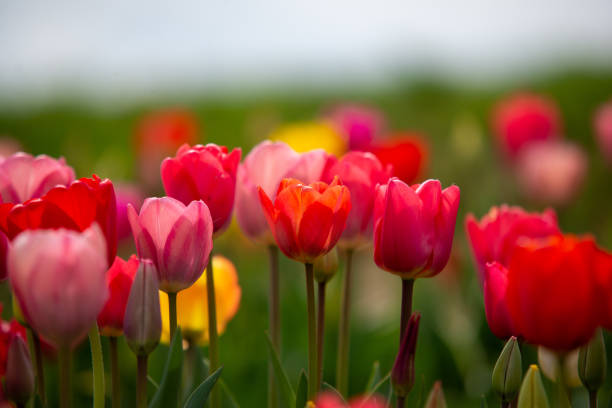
(177, 238)
(59, 280)
(603, 130)
(331, 400)
(23, 177)
(524, 118)
(358, 124)
(551, 172)
(126, 194)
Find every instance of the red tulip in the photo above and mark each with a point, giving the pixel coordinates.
(23, 177)
(552, 290)
(414, 227)
(496, 305)
(405, 153)
(307, 220)
(7, 331)
(206, 173)
(58, 277)
(524, 118)
(493, 238)
(361, 172)
(119, 280)
(74, 207)
(603, 130)
(176, 237)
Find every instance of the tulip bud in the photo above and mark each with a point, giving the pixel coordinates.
(142, 321)
(19, 380)
(508, 371)
(592, 362)
(436, 397)
(402, 375)
(533, 394)
(326, 266)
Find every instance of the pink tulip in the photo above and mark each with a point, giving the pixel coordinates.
(496, 305)
(603, 130)
(360, 172)
(23, 177)
(551, 172)
(177, 238)
(126, 194)
(59, 279)
(493, 238)
(414, 227)
(206, 173)
(265, 166)
(358, 124)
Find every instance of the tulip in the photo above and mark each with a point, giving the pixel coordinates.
(552, 290)
(551, 172)
(402, 374)
(326, 266)
(508, 372)
(175, 237)
(206, 173)
(358, 124)
(192, 303)
(592, 364)
(493, 238)
(532, 393)
(158, 135)
(4, 246)
(126, 194)
(360, 172)
(436, 397)
(496, 304)
(414, 227)
(405, 153)
(307, 136)
(119, 280)
(74, 207)
(603, 130)
(524, 118)
(19, 380)
(332, 400)
(23, 177)
(58, 277)
(307, 220)
(8, 330)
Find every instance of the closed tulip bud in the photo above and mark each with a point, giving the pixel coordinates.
(592, 362)
(326, 266)
(532, 393)
(436, 397)
(142, 322)
(19, 378)
(402, 375)
(508, 371)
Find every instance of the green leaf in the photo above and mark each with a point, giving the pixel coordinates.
(152, 382)
(379, 384)
(198, 370)
(229, 394)
(374, 376)
(167, 395)
(198, 398)
(483, 402)
(286, 390)
(302, 391)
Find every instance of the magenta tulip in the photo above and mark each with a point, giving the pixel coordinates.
(23, 177)
(603, 130)
(358, 124)
(177, 238)
(361, 172)
(59, 280)
(414, 227)
(496, 305)
(206, 173)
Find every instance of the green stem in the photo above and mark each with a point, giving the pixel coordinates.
(342, 363)
(505, 404)
(407, 289)
(141, 385)
(97, 363)
(400, 401)
(36, 352)
(312, 339)
(172, 313)
(213, 347)
(188, 369)
(65, 389)
(274, 318)
(320, 331)
(593, 399)
(115, 379)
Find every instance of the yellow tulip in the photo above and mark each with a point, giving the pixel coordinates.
(306, 136)
(192, 307)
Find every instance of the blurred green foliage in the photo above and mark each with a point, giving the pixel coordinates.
(455, 344)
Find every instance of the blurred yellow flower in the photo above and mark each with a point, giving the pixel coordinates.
(306, 136)
(192, 307)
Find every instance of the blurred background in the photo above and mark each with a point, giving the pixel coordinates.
(116, 86)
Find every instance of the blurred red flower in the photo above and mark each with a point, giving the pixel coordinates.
(119, 279)
(406, 153)
(7, 331)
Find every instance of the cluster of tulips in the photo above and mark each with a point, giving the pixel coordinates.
(58, 245)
